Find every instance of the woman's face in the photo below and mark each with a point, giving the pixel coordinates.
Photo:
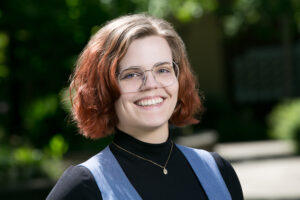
(152, 105)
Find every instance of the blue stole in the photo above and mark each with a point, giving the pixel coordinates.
(114, 185)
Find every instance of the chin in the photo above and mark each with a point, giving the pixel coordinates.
(152, 124)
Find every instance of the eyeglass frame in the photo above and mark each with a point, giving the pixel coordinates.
(145, 76)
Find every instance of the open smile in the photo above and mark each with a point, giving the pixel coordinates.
(147, 102)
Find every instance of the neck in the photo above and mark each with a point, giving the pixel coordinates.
(151, 135)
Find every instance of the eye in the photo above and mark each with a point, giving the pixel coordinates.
(130, 74)
(164, 69)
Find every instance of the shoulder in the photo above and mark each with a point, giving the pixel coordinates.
(229, 176)
(76, 183)
(195, 154)
(209, 156)
(223, 166)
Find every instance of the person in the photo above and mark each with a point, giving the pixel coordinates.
(133, 79)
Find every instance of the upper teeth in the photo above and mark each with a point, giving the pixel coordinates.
(149, 102)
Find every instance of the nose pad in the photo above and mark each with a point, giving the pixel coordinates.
(149, 81)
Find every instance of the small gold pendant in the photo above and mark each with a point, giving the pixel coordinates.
(165, 171)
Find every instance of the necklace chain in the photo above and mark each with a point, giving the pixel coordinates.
(165, 171)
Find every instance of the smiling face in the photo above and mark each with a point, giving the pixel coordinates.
(151, 107)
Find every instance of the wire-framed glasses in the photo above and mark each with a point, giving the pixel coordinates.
(134, 78)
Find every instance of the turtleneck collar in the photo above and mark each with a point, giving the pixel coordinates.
(139, 147)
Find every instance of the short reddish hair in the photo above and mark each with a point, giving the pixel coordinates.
(94, 86)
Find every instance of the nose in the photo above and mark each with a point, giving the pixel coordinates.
(149, 81)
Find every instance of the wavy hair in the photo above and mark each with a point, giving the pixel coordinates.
(94, 86)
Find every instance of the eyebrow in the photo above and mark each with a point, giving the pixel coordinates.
(138, 66)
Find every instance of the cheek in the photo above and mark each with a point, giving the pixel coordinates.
(120, 105)
(175, 94)
(117, 109)
(175, 90)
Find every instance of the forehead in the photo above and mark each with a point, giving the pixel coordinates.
(147, 52)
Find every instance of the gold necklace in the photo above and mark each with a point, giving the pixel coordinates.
(165, 171)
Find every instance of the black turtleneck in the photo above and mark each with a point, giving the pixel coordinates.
(148, 179)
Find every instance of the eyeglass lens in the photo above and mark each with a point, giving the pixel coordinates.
(132, 79)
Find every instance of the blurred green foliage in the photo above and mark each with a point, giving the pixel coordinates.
(240, 15)
(57, 146)
(25, 162)
(284, 121)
